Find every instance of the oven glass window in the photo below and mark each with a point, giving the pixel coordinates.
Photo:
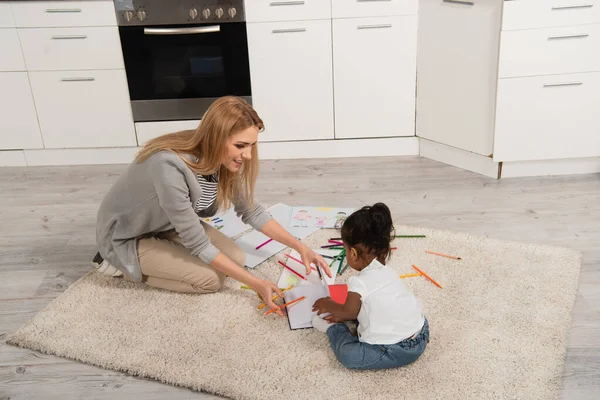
(186, 62)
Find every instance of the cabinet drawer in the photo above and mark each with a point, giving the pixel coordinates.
(38, 14)
(6, 18)
(550, 51)
(532, 14)
(11, 58)
(372, 8)
(92, 110)
(548, 117)
(51, 49)
(287, 10)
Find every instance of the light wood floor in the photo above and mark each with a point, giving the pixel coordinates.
(47, 217)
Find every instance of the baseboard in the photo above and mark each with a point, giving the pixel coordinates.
(339, 148)
(571, 166)
(268, 151)
(96, 156)
(12, 158)
(458, 158)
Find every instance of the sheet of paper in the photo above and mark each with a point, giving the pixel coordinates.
(228, 223)
(319, 217)
(282, 214)
(288, 278)
(254, 257)
(300, 314)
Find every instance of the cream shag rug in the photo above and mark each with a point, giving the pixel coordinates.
(498, 329)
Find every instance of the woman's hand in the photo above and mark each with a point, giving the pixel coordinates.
(308, 256)
(265, 290)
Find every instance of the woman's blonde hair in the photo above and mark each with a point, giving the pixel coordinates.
(225, 117)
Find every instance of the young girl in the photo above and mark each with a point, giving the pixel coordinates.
(392, 330)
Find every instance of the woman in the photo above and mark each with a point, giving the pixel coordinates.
(149, 227)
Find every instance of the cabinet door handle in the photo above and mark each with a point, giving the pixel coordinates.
(374, 26)
(578, 36)
(65, 37)
(82, 79)
(291, 30)
(287, 3)
(563, 84)
(63, 10)
(555, 8)
(462, 2)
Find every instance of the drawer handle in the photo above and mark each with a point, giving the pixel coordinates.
(287, 3)
(461, 2)
(64, 37)
(563, 84)
(579, 36)
(374, 26)
(82, 79)
(63, 10)
(572, 7)
(291, 30)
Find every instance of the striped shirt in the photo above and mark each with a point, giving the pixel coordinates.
(209, 184)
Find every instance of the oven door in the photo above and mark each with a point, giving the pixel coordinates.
(176, 72)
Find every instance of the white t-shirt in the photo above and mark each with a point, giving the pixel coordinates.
(389, 312)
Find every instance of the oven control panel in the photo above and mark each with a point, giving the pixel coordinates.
(184, 12)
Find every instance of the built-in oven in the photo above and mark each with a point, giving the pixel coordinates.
(181, 55)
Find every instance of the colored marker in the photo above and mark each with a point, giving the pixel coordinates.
(442, 255)
(261, 245)
(291, 270)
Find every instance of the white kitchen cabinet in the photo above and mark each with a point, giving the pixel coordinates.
(291, 76)
(457, 66)
(548, 117)
(374, 62)
(11, 58)
(83, 108)
(6, 17)
(63, 49)
(18, 122)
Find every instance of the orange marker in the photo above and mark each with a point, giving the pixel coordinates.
(263, 305)
(442, 255)
(427, 276)
(286, 305)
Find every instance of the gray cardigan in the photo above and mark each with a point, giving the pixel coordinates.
(156, 196)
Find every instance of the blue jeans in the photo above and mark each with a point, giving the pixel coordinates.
(355, 354)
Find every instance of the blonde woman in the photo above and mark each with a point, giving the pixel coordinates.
(149, 225)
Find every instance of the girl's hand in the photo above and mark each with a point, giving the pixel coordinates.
(308, 256)
(265, 290)
(322, 305)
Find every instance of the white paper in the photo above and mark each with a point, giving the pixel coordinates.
(282, 214)
(300, 314)
(250, 241)
(319, 217)
(288, 278)
(231, 225)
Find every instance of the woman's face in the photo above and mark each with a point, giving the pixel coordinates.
(239, 148)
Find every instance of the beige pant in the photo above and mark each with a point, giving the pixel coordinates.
(166, 264)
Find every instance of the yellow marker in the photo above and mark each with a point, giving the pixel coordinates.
(409, 275)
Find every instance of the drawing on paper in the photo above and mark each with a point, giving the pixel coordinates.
(318, 217)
